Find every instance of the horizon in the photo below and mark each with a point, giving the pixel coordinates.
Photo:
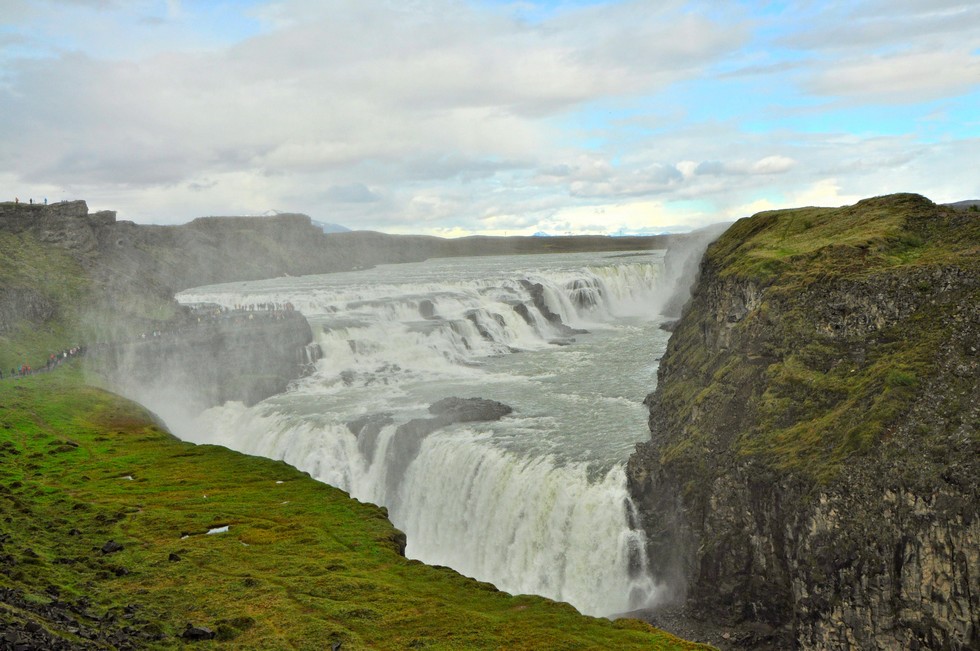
(487, 117)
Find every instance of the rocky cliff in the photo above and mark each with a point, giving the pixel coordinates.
(222, 249)
(244, 356)
(812, 473)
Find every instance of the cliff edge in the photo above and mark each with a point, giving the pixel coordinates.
(812, 472)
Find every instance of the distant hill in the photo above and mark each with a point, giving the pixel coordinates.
(330, 228)
(968, 204)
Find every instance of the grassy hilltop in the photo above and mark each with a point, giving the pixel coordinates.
(850, 313)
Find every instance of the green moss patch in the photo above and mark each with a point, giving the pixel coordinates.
(858, 315)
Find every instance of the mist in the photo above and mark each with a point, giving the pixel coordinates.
(534, 502)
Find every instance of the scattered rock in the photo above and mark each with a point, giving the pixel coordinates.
(195, 633)
(111, 547)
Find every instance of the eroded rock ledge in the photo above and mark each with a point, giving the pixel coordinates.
(237, 356)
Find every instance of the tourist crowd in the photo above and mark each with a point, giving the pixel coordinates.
(204, 314)
(54, 360)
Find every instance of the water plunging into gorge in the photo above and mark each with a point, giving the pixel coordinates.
(535, 502)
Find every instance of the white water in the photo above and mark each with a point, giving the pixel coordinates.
(534, 503)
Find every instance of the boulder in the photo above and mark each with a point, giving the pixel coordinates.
(111, 547)
(466, 410)
(195, 633)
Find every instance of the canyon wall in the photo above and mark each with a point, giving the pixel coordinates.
(206, 361)
(812, 474)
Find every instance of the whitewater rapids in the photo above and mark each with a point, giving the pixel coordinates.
(534, 503)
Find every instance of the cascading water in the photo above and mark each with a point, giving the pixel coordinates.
(534, 503)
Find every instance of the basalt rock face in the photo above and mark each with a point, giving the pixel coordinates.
(240, 356)
(814, 459)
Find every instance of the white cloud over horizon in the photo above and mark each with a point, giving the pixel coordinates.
(455, 117)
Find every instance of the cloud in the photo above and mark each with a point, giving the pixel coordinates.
(908, 77)
(888, 23)
(452, 116)
(767, 165)
(351, 193)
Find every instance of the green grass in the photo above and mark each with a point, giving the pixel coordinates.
(70, 305)
(60, 287)
(792, 394)
(302, 565)
(813, 243)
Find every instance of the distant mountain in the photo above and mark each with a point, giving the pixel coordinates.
(969, 204)
(330, 228)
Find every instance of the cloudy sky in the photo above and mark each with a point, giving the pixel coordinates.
(453, 117)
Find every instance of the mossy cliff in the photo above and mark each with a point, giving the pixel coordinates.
(814, 460)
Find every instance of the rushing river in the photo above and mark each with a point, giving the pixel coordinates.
(535, 502)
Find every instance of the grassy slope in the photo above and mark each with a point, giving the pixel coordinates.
(302, 565)
(81, 309)
(820, 404)
(55, 276)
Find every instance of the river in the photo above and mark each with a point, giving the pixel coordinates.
(533, 503)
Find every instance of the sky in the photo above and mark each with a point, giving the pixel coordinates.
(497, 117)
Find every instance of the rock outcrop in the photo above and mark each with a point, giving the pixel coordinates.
(244, 356)
(812, 473)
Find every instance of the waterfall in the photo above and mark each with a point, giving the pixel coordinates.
(535, 503)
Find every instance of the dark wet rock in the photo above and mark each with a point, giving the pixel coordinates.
(465, 410)
(427, 309)
(173, 558)
(524, 312)
(399, 541)
(537, 296)
(370, 424)
(367, 429)
(196, 633)
(409, 436)
(111, 547)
